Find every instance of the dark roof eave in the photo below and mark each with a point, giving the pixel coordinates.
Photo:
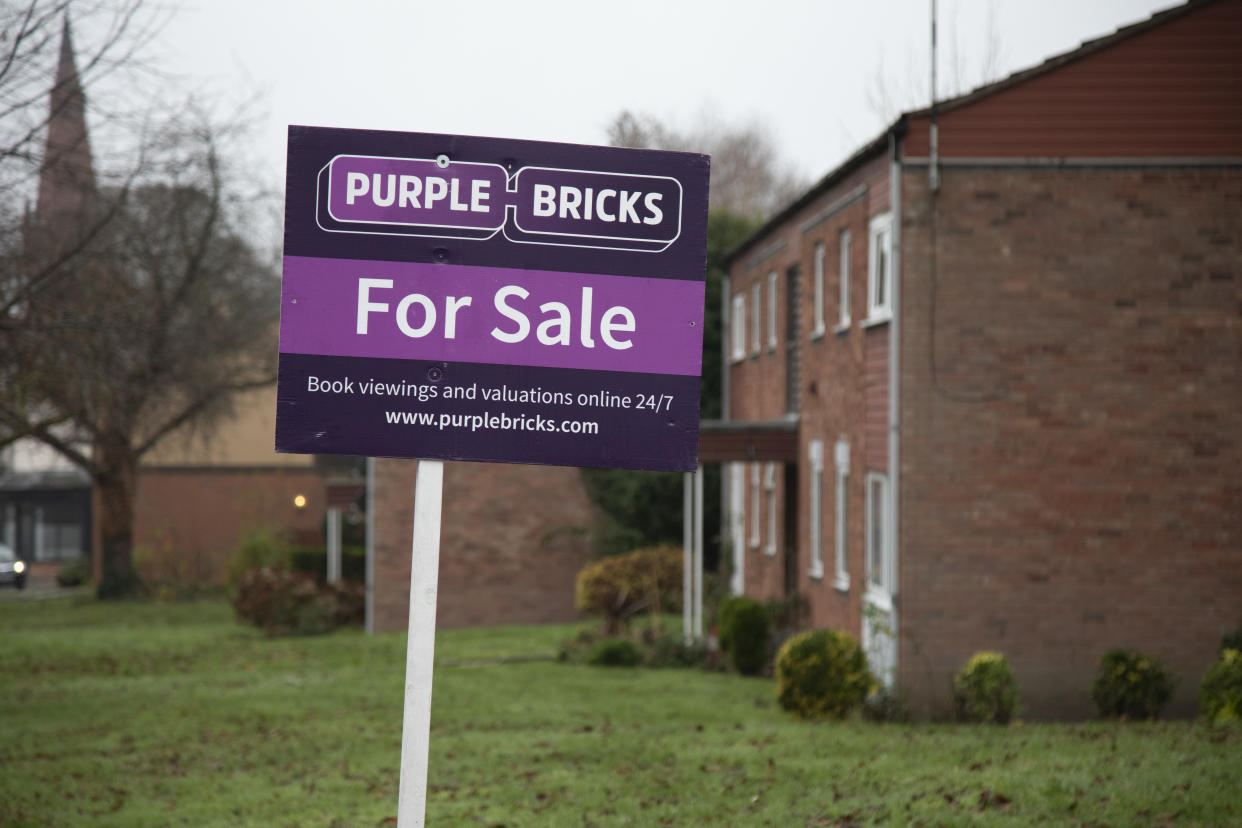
(744, 426)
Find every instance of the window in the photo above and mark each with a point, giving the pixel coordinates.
(880, 269)
(769, 491)
(818, 329)
(842, 456)
(756, 300)
(843, 269)
(754, 505)
(817, 517)
(772, 311)
(737, 325)
(877, 529)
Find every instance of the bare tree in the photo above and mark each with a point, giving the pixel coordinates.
(152, 326)
(32, 40)
(129, 309)
(747, 177)
(899, 87)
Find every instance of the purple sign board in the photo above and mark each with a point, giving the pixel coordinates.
(464, 298)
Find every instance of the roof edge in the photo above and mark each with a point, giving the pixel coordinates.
(898, 127)
(868, 151)
(1084, 49)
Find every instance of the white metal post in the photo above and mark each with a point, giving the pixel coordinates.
(334, 544)
(370, 605)
(698, 553)
(420, 649)
(689, 520)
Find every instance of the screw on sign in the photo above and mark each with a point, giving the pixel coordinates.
(461, 298)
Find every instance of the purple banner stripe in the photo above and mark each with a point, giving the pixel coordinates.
(502, 316)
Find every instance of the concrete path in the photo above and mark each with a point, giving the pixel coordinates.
(39, 587)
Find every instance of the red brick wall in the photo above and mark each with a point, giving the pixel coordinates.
(512, 542)
(835, 392)
(1168, 92)
(1071, 425)
(187, 522)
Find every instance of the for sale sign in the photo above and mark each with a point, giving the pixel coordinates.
(464, 298)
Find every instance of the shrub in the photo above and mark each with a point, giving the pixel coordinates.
(350, 598)
(673, 651)
(1232, 640)
(822, 674)
(1132, 685)
(886, 704)
(985, 689)
(786, 613)
(313, 561)
(1220, 694)
(259, 548)
(74, 573)
(280, 602)
(615, 652)
(619, 587)
(744, 634)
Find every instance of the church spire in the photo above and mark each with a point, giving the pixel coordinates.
(67, 177)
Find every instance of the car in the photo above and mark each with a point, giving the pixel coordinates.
(12, 568)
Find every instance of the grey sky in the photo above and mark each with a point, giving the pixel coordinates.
(560, 69)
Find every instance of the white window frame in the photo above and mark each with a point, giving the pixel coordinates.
(738, 330)
(735, 479)
(880, 268)
(756, 299)
(772, 312)
(754, 505)
(817, 329)
(843, 269)
(841, 519)
(769, 492)
(816, 457)
(879, 576)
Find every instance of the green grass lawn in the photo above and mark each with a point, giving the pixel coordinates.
(173, 714)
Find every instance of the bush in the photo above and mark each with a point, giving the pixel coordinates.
(280, 602)
(1220, 694)
(619, 587)
(1232, 640)
(673, 651)
(744, 634)
(313, 561)
(1131, 685)
(74, 573)
(985, 689)
(615, 652)
(787, 613)
(350, 598)
(259, 548)
(822, 674)
(886, 704)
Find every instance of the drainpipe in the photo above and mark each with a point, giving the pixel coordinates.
(894, 389)
(726, 336)
(933, 133)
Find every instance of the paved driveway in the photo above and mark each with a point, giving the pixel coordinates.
(38, 587)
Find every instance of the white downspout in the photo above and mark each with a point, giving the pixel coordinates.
(894, 392)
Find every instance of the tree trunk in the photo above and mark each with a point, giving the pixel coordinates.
(115, 477)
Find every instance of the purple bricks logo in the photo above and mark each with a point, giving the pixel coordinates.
(472, 200)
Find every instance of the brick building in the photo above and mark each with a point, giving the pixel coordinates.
(1003, 410)
(512, 541)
